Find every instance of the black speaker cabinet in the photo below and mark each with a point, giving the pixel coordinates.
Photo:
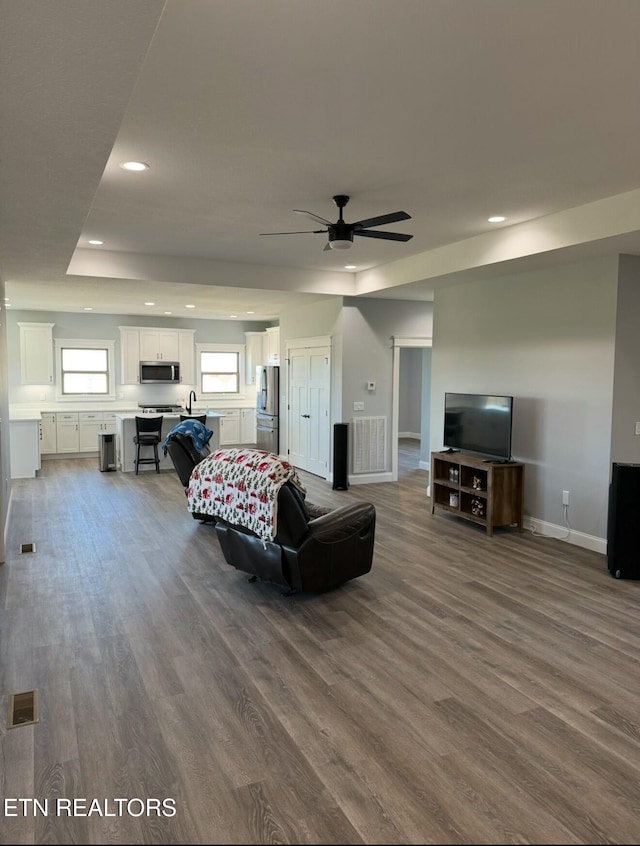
(340, 456)
(623, 532)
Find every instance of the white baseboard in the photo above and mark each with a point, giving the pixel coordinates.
(414, 435)
(424, 465)
(551, 530)
(370, 478)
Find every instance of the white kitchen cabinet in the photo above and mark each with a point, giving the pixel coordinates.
(109, 422)
(48, 440)
(90, 423)
(36, 353)
(129, 355)
(67, 433)
(254, 355)
(230, 427)
(187, 356)
(159, 345)
(247, 425)
(273, 345)
(143, 344)
(25, 448)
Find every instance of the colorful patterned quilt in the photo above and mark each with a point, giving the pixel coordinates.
(241, 487)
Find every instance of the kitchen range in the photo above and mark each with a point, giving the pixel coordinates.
(160, 409)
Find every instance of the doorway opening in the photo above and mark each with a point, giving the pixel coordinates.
(401, 384)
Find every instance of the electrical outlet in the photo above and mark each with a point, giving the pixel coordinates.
(637, 428)
(358, 406)
(565, 497)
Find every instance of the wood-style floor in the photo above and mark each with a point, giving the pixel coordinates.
(467, 690)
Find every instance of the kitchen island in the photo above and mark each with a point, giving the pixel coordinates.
(126, 430)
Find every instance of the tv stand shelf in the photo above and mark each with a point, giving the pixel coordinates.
(489, 493)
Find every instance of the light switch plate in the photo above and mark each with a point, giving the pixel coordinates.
(358, 406)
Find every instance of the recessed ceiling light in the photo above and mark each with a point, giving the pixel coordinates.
(95, 242)
(135, 166)
(168, 312)
(350, 266)
(149, 303)
(189, 306)
(251, 312)
(497, 218)
(233, 315)
(88, 308)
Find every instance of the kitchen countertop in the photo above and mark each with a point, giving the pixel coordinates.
(24, 415)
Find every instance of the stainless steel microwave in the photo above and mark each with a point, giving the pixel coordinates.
(159, 372)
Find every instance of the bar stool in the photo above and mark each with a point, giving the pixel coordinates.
(148, 434)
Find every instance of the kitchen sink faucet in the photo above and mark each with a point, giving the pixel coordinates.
(195, 399)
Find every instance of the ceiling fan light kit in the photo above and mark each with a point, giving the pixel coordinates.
(341, 233)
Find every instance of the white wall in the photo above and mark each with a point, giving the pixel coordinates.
(625, 444)
(369, 327)
(5, 443)
(548, 339)
(320, 318)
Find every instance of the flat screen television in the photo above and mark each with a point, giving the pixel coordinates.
(479, 424)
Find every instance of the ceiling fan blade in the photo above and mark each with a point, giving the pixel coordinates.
(313, 216)
(383, 218)
(299, 232)
(327, 246)
(388, 236)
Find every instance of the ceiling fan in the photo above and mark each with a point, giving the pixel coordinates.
(341, 233)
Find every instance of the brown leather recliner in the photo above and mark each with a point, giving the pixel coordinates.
(307, 554)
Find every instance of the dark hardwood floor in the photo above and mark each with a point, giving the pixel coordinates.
(467, 690)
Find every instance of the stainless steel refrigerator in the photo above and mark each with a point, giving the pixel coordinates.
(267, 405)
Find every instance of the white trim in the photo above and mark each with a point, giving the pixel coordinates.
(302, 343)
(411, 342)
(88, 344)
(214, 347)
(542, 528)
(369, 478)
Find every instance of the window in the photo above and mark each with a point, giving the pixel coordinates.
(85, 369)
(219, 369)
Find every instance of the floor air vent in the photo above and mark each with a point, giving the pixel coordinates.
(23, 709)
(27, 547)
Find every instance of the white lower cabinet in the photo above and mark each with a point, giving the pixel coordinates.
(247, 425)
(25, 448)
(67, 434)
(230, 427)
(48, 440)
(90, 424)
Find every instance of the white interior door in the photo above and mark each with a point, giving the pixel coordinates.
(309, 381)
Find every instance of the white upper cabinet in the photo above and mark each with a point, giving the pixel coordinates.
(254, 344)
(159, 345)
(129, 355)
(187, 356)
(141, 344)
(36, 353)
(273, 345)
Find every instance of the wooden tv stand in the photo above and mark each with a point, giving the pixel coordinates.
(489, 493)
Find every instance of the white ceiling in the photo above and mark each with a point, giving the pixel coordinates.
(451, 110)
